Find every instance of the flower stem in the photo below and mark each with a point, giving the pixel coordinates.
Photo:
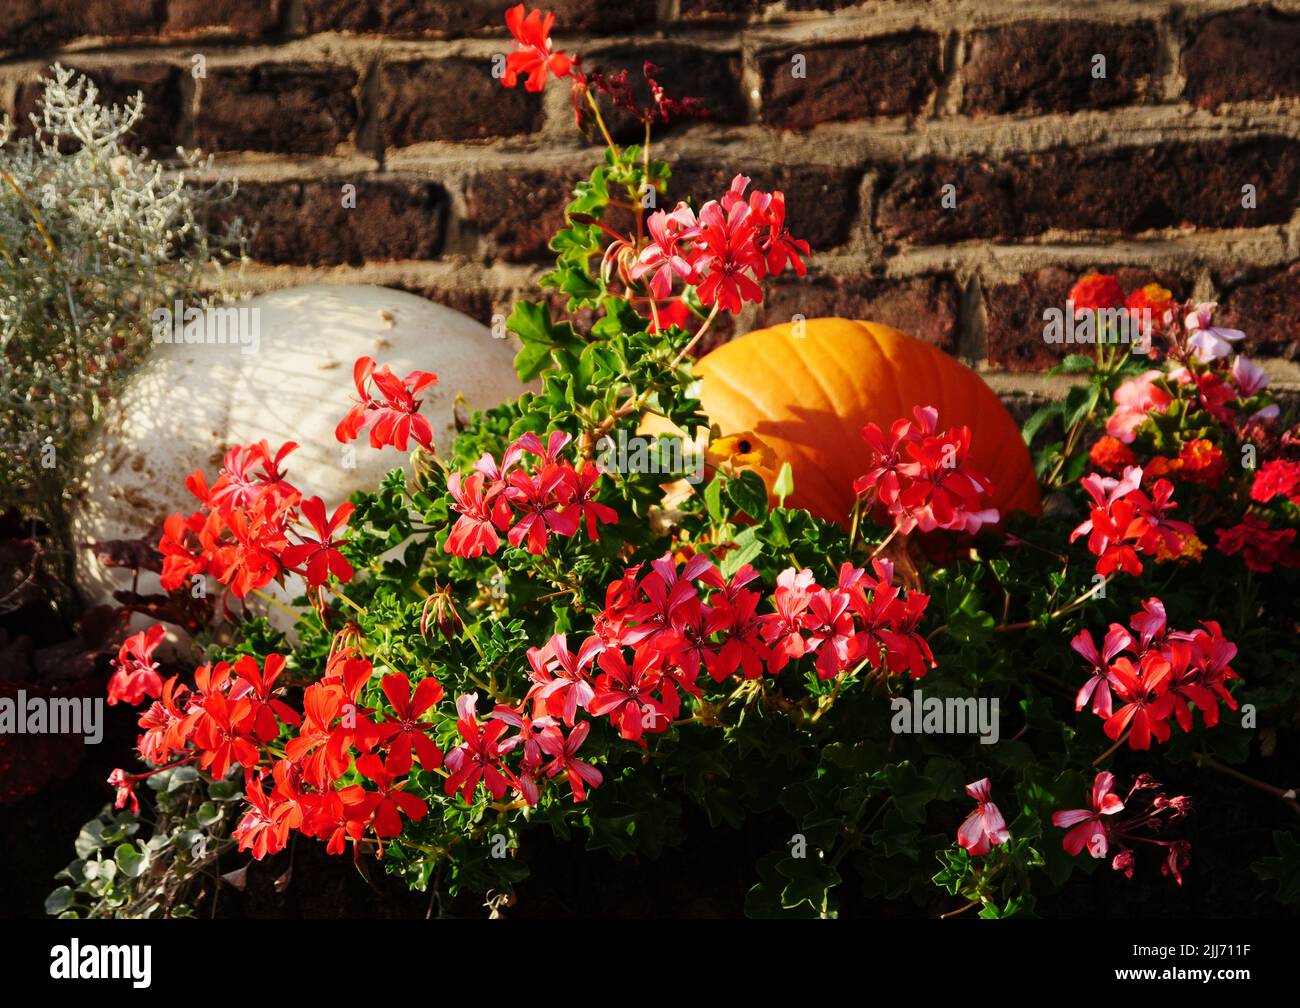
(600, 121)
(1109, 752)
(1286, 795)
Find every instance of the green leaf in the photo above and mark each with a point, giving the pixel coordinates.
(1074, 364)
(1017, 906)
(1080, 401)
(59, 900)
(130, 859)
(750, 547)
(713, 499)
(90, 839)
(811, 880)
(539, 338)
(749, 493)
(1040, 417)
(1285, 870)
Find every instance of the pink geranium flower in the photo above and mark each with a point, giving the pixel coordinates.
(1134, 400)
(984, 828)
(1087, 829)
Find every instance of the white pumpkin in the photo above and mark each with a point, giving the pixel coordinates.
(189, 402)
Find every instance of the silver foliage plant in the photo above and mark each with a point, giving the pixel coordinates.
(93, 237)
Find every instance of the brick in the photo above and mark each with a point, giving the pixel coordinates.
(821, 202)
(306, 224)
(1243, 56)
(518, 211)
(415, 103)
(1265, 304)
(585, 16)
(30, 26)
(1127, 190)
(1047, 66)
(926, 307)
(448, 18)
(406, 18)
(885, 76)
(283, 108)
(237, 18)
(719, 11)
(158, 83)
(1014, 312)
(823, 5)
(710, 75)
(478, 304)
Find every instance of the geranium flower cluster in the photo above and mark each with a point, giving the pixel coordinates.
(234, 715)
(923, 478)
(1138, 681)
(1126, 521)
(391, 410)
(1097, 829)
(1226, 394)
(1100, 828)
(1205, 380)
(1197, 347)
(528, 503)
(1152, 304)
(654, 637)
(253, 526)
(660, 630)
(723, 252)
(1274, 489)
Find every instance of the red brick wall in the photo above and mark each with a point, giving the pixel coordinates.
(459, 181)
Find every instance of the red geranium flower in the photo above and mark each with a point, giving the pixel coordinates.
(534, 57)
(404, 730)
(390, 802)
(264, 708)
(136, 674)
(393, 417)
(725, 254)
(479, 757)
(321, 555)
(565, 760)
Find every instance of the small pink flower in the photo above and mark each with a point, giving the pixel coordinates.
(1085, 825)
(1097, 688)
(984, 828)
(1248, 376)
(665, 256)
(1208, 340)
(1134, 399)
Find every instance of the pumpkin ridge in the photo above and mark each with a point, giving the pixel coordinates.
(782, 380)
(832, 401)
(889, 353)
(855, 429)
(792, 450)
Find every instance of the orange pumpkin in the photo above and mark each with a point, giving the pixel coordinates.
(808, 398)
